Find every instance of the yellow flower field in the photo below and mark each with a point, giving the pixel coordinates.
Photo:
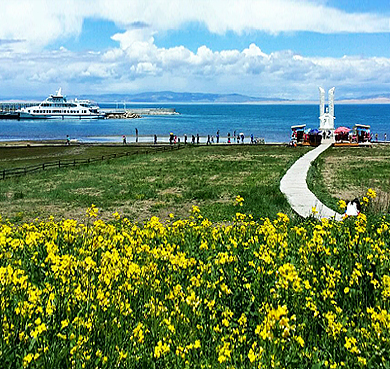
(188, 293)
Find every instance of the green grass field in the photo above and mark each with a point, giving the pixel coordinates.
(15, 157)
(346, 173)
(157, 184)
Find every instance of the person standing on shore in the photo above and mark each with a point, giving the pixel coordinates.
(155, 139)
(171, 138)
(193, 139)
(208, 140)
(197, 138)
(217, 136)
(385, 136)
(228, 137)
(124, 140)
(68, 140)
(251, 138)
(185, 139)
(234, 136)
(136, 135)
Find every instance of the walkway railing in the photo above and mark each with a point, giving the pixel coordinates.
(64, 163)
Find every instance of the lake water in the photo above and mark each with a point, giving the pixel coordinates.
(271, 122)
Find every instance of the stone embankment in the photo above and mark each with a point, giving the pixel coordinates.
(125, 115)
(138, 113)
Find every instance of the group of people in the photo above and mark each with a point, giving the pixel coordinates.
(211, 139)
(195, 139)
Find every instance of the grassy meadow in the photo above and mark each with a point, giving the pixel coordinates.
(347, 173)
(142, 186)
(226, 282)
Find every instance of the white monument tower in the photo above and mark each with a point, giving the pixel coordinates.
(327, 112)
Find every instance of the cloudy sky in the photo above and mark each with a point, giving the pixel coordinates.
(263, 48)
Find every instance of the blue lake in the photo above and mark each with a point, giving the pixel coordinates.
(271, 122)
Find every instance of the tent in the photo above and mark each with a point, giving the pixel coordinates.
(341, 130)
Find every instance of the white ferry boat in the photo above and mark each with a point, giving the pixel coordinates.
(56, 106)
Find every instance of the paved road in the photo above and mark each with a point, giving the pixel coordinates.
(294, 186)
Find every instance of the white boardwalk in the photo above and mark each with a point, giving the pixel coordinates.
(293, 185)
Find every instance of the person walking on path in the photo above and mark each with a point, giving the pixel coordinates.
(217, 136)
(155, 139)
(171, 138)
(185, 139)
(385, 136)
(193, 139)
(208, 140)
(234, 136)
(67, 140)
(228, 138)
(197, 138)
(252, 140)
(136, 135)
(124, 140)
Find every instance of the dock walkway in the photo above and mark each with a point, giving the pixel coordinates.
(293, 185)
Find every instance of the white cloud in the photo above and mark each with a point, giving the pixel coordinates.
(40, 22)
(144, 66)
(26, 26)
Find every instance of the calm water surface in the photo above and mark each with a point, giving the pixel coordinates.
(271, 122)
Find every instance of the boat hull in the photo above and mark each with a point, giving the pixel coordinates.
(24, 115)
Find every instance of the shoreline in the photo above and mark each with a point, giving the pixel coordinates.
(117, 141)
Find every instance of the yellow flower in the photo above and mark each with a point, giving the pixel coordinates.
(300, 340)
(195, 209)
(371, 193)
(251, 356)
(239, 200)
(116, 215)
(92, 211)
(27, 359)
(346, 290)
(342, 204)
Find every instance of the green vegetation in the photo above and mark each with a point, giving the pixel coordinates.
(346, 173)
(19, 157)
(158, 184)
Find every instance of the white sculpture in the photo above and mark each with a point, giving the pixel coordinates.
(327, 112)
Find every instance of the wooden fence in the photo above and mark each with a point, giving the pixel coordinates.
(64, 163)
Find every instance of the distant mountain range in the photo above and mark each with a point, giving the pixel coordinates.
(189, 97)
(179, 97)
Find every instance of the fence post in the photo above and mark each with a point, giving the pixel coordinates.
(59, 163)
(43, 166)
(3, 173)
(89, 160)
(74, 162)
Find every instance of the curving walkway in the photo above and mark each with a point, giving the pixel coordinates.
(293, 185)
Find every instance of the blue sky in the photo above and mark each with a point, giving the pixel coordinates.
(283, 48)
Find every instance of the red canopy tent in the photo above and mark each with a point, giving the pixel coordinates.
(341, 130)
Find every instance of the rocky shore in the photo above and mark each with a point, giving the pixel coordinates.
(138, 113)
(125, 115)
